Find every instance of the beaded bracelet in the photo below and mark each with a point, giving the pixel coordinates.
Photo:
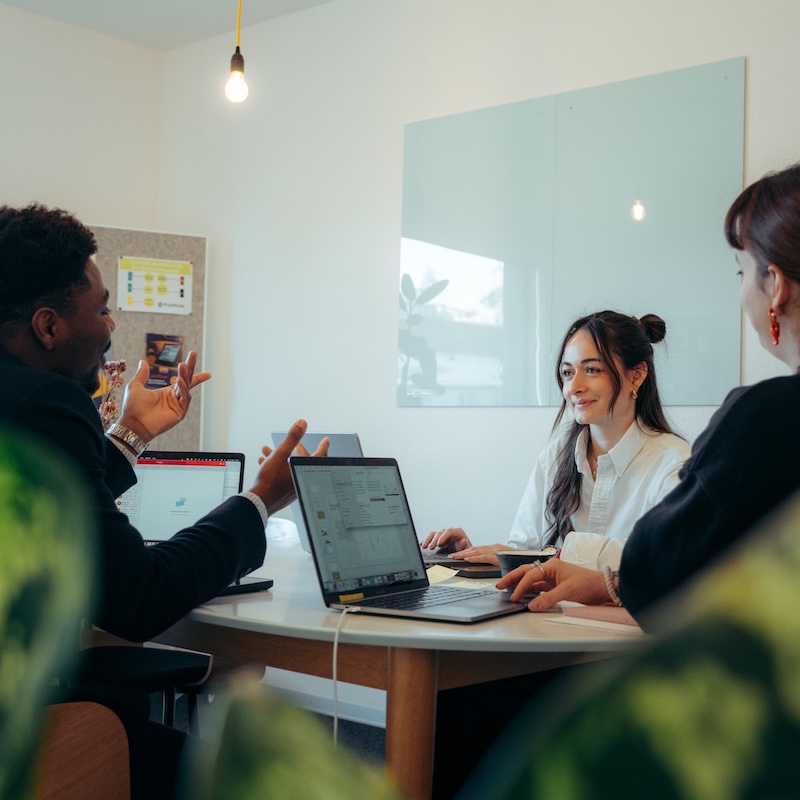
(609, 575)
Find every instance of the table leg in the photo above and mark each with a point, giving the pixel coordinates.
(411, 720)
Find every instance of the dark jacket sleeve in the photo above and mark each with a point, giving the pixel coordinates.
(142, 590)
(740, 469)
(119, 473)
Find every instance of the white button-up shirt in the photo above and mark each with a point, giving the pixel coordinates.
(631, 478)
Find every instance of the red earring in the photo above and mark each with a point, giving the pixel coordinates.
(774, 326)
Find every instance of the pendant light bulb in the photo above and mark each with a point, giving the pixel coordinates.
(638, 211)
(236, 88)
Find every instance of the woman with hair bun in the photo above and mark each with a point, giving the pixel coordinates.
(614, 460)
(744, 465)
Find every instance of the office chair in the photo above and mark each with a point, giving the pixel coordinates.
(166, 671)
(84, 754)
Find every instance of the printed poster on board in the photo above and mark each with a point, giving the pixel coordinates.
(157, 285)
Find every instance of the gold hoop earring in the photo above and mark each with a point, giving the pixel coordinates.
(634, 393)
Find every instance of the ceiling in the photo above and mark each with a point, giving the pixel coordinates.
(162, 24)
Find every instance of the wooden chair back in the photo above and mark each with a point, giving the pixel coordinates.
(84, 754)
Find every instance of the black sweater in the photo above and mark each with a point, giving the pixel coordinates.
(743, 465)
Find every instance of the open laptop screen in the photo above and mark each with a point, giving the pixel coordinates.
(175, 489)
(360, 525)
(341, 444)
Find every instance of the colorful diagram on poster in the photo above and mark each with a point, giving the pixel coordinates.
(157, 285)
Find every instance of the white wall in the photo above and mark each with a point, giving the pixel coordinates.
(299, 189)
(79, 121)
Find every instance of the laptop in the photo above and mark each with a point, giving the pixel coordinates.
(175, 489)
(342, 444)
(365, 547)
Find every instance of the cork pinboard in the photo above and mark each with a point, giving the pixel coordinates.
(130, 338)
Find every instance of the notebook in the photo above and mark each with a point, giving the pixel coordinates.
(175, 489)
(342, 444)
(365, 547)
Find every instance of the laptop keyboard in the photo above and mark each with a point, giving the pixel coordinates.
(423, 598)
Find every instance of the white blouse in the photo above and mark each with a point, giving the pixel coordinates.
(631, 478)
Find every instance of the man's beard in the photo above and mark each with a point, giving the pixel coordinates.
(90, 382)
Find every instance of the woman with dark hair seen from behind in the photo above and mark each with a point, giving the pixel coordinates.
(615, 459)
(745, 463)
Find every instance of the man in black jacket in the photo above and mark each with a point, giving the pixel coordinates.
(55, 327)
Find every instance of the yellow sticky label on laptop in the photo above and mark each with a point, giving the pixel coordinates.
(346, 598)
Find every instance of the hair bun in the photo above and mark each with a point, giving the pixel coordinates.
(654, 327)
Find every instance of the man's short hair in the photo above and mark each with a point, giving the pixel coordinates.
(43, 255)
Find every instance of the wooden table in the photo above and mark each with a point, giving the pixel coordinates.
(290, 628)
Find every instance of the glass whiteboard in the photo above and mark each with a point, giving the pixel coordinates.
(518, 219)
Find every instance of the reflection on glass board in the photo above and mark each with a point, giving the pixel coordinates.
(452, 306)
(459, 328)
(519, 219)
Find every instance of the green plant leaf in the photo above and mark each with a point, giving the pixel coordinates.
(403, 306)
(258, 745)
(426, 295)
(46, 577)
(407, 286)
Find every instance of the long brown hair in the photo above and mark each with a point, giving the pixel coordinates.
(616, 336)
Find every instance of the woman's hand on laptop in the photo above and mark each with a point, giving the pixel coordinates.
(449, 540)
(556, 580)
(456, 543)
(481, 554)
(274, 480)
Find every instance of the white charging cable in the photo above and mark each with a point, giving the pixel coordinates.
(345, 612)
